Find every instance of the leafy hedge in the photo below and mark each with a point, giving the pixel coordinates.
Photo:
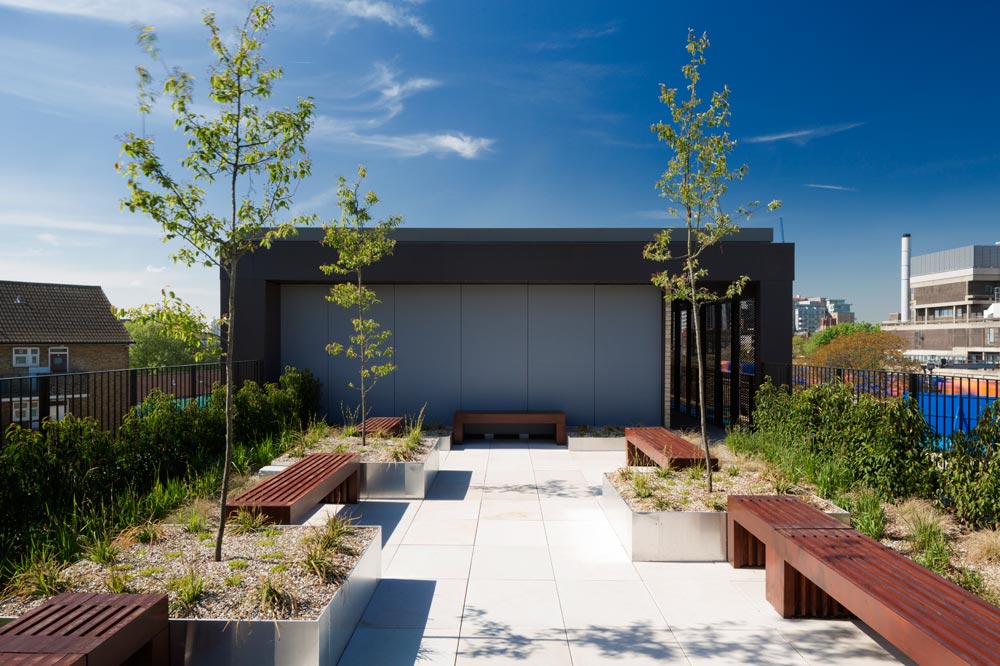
(842, 442)
(971, 471)
(846, 443)
(71, 476)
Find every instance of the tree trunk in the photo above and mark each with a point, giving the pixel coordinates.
(364, 335)
(701, 393)
(229, 415)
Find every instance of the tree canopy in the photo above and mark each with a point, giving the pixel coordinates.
(864, 350)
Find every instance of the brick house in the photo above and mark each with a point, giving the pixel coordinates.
(53, 329)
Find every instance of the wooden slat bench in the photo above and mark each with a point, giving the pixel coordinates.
(90, 630)
(390, 425)
(816, 566)
(658, 447)
(924, 615)
(463, 418)
(752, 519)
(289, 494)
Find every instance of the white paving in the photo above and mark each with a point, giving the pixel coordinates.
(510, 560)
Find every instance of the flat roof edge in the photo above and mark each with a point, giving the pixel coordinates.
(542, 235)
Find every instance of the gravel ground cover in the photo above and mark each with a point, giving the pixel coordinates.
(264, 574)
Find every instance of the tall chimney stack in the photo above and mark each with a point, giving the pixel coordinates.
(904, 287)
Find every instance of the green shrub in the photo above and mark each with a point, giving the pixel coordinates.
(971, 471)
(70, 478)
(827, 435)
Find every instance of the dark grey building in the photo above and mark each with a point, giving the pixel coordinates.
(522, 319)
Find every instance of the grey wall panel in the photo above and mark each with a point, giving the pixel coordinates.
(494, 347)
(304, 315)
(428, 350)
(343, 370)
(628, 349)
(561, 351)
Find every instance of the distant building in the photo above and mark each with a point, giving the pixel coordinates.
(814, 313)
(53, 329)
(950, 305)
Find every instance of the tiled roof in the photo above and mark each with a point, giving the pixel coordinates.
(32, 312)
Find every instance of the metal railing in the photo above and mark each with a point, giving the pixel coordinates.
(107, 395)
(948, 403)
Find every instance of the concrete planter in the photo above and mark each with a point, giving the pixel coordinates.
(672, 536)
(596, 443)
(195, 642)
(402, 480)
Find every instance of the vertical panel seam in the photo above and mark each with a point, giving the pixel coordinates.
(593, 405)
(527, 347)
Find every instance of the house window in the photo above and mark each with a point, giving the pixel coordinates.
(25, 357)
(24, 410)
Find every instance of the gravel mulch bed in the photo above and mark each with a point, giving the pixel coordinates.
(378, 449)
(687, 489)
(230, 586)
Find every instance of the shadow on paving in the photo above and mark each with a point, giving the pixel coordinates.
(552, 488)
(385, 514)
(450, 484)
(821, 642)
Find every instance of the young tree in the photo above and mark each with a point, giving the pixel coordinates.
(696, 178)
(245, 160)
(171, 332)
(358, 246)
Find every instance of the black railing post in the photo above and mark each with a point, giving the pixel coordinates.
(44, 399)
(133, 388)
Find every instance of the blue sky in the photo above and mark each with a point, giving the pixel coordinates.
(867, 119)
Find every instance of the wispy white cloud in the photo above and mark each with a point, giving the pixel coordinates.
(380, 99)
(123, 11)
(574, 38)
(802, 137)
(839, 188)
(413, 145)
(48, 239)
(36, 220)
(155, 269)
(391, 13)
(178, 12)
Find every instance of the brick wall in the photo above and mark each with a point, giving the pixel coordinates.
(82, 358)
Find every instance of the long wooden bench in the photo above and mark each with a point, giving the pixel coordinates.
(288, 495)
(816, 566)
(90, 630)
(390, 425)
(464, 418)
(658, 447)
(751, 521)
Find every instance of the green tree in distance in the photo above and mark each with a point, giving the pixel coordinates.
(171, 332)
(359, 245)
(828, 335)
(695, 180)
(239, 158)
(864, 350)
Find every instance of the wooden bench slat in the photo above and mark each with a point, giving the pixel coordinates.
(24, 659)
(287, 495)
(751, 522)
(100, 629)
(391, 425)
(662, 448)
